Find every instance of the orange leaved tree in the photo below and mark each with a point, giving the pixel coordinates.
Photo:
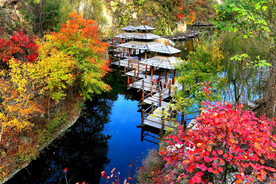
(79, 38)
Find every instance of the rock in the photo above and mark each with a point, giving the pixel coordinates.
(252, 105)
(181, 27)
(163, 40)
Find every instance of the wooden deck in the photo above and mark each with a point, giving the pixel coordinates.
(155, 120)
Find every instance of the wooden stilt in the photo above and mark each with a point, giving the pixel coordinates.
(121, 53)
(143, 116)
(174, 76)
(160, 99)
(152, 106)
(127, 80)
(151, 74)
(170, 87)
(143, 95)
(131, 66)
(132, 81)
(128, 57)
(167, 77)
(138, 70)
(125, 69)
(146, 72)
(134, 72)
(145, 55)
(163, 122)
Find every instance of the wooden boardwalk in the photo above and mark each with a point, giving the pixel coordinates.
(155, 120)
(140, 72)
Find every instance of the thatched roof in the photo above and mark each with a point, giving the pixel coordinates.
(162, 62)
(138, 36)
(129, 29)
(144, 28)
(151, 46)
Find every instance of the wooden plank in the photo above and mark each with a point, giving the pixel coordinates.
(155, 121)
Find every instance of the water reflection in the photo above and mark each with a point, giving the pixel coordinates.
(83, 150)
(104, 137)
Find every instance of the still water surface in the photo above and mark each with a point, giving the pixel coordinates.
(104, 137)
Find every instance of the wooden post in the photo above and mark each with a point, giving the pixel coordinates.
(146, 73)
(124, 53)
(151, 73)
(131, 66)
(143, 116)
(119, 61)
(167, 78)
(160, 98)
(170, 87)
(128, 57)
(138, 70)
(134, 72)
(152, 106)
(145, 55)
(125, 69)
(163, 122)
(174, 76)
(121, 53)
(151, 90)
(127, 80)
(143, 93)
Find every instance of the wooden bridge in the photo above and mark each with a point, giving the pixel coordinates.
(141, 66)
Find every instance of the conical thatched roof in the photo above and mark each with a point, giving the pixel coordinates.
(129, 29)
(144, 28)
(162, 62)
(151, 46)
(138, 36)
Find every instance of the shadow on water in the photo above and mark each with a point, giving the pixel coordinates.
(83, 149)
(105, 131)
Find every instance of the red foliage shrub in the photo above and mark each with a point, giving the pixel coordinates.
(226, 139)
(19, 46)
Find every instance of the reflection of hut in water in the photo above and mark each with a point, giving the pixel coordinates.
(143, 55)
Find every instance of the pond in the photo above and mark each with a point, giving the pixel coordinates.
(104, 137)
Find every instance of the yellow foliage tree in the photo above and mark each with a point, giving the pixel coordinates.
(17, 108)
(28, 83)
